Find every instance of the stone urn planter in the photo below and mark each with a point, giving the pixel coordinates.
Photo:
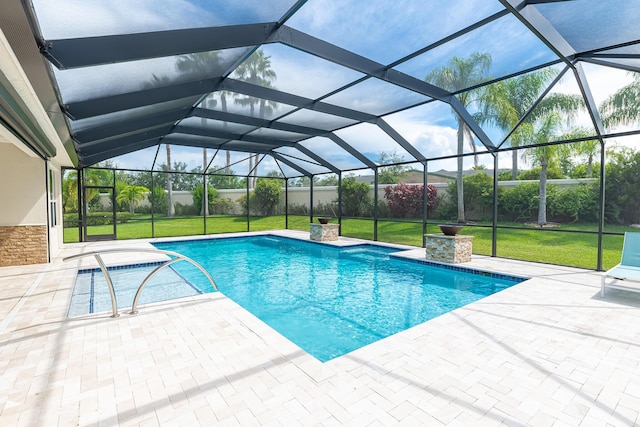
(324, 219)
(450, 229)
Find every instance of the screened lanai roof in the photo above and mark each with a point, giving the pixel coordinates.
(317, 86)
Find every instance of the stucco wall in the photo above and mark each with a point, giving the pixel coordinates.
(23, 199)
(23, 208)
(324, 195)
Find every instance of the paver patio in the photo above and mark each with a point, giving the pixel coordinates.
(546, 352)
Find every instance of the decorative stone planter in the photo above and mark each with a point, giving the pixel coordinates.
(324, 232)
(450, 229)
(324, 219)
(449, 249)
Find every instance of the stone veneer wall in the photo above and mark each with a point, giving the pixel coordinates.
(23, 244)
(450, 249)
(324, 232)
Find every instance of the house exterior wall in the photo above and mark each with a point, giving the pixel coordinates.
(23, 215)
(30, 221)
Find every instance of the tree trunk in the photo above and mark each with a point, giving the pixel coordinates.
(255, 171)
(249, 180)
(204, 210)
(514, 164)
(590, 167)
(227, 167)
(542, 206)
(459, 182)
(171, 210)
(473, 147)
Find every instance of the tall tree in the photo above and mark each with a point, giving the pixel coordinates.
(70, 191)
(588, 148)
(545, 155)
(390, 174)
(132, 195)
(204, 210)
(546, 129)
(507, 101)
(256, 70)
(458, 74)
(207, 64)
(171, 209)
(155, 82)
(623, 107)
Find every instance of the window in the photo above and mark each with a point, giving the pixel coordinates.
(52, 199)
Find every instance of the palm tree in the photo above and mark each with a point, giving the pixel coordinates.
(547, 129)
(588, 148)
(256, 70)
(155, 82)
(171, 209)
(459, 74)
(623, 107)
(507, 101)
(545, 155)
(207, 63)
(204, 210)
(132, 194)
(70, 191)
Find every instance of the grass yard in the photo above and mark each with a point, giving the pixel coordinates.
(549, 246)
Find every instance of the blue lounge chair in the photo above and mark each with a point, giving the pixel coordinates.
(629, 267)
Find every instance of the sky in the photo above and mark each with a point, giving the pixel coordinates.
(373, 29)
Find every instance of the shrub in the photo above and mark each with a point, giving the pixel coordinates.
(580, 171)
(579, 203)
(534, 174)
(520, 203)
(296, 209)
(242, 202)
(447, 209)
(622, 205)
(123, 217)
(383, 210)
(70, 220)
(253, 204)
(267, 195)
(158, 199)
(326, 209)
(478, 198)
(355, 197)
(221, 206)
(98, 218)
(196, 193)
(505, 176)
(406, 201)
(186, 210)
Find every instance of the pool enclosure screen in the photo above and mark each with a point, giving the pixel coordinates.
(303, 89)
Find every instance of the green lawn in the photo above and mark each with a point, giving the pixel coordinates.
(549, 246)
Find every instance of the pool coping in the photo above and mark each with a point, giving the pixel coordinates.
(405, 253)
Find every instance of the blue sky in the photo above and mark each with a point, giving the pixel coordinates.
(381, 30)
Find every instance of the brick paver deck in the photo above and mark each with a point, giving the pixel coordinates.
(546, 352)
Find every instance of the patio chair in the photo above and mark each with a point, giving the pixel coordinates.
(629, 267)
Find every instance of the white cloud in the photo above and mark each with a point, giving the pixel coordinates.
(84, 18)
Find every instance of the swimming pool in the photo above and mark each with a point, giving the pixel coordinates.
(91, 294)
(330, 300)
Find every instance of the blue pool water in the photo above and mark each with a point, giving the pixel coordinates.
(91, 294)
(328, 300)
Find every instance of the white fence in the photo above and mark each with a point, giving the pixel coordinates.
(324, 195)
